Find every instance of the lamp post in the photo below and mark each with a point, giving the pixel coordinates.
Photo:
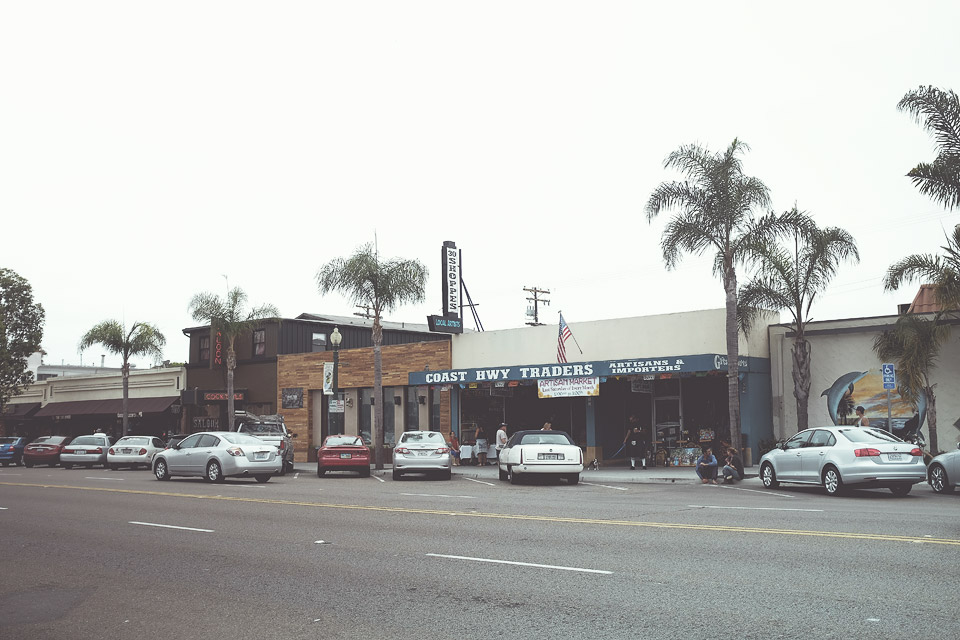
(335, 422)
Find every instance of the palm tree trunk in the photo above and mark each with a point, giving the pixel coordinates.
(733, 357)
(231, 365)
(378, 392)
(125, 430)
(932, 419)
(801, 380)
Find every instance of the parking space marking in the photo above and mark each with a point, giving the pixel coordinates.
(378, 478)
(170, 526)
(93, 478)
(605, 486)
(765, 492)
(710, 506)
(521, 564)
(489, 484)
(436, 495)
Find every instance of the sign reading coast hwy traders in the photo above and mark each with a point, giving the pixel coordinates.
(602, 368)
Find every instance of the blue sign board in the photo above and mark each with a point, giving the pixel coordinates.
(889, 375)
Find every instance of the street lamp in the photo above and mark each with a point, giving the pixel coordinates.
(335, 424)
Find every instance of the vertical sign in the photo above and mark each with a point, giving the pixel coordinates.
(451, 279)
(889, 375)
(328, 378)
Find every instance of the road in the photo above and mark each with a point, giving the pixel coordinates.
(117, 554)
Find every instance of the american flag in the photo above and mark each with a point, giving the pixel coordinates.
(565, 335)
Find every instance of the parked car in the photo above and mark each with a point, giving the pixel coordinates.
(943, 474)
(216, 455)
(343, 453)
(422, 452)
(45, 450)
(540, 452)
(838, 457)
(11, 450)
(174, 439)
(133, 451)
(272, 430)
(86, 450)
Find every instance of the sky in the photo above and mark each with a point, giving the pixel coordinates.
(153, 151)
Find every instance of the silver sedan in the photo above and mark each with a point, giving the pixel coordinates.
(86, 451)
(838, 457)
(216, 455)
(422, 452)
(133, 451)
(943, 474)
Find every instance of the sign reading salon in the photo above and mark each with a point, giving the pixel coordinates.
(602, 368)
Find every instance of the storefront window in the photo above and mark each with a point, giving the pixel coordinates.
(318, 343)
(367, 415)
(411, 413)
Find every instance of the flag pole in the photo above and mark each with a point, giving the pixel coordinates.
(571, 335)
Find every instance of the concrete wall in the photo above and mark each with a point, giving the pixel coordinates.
(151, 383)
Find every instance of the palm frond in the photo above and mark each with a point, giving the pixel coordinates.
(939, 180)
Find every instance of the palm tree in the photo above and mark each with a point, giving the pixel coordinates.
(942, 271)
(143, 339)
(791, 278)
(913, 345)
(229, 317)
(383, 286)
(716, 215)
(937, 111)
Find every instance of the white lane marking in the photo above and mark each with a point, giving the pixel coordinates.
(605, 486)
(170, 526)
(92, 478)
(765, 492)
(521, 564)
(378, 478)
(489, 484)
(710, 506)
(296, 475)
(10, 474)
(435, 495)
(3, 508)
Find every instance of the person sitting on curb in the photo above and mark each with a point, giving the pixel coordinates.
(733, 469)
(707, 467)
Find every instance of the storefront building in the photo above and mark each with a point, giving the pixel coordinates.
(667, 373)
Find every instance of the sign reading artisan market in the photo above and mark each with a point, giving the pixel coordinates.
(568, 387)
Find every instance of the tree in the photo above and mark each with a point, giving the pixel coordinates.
(937, 111)
(143, 339)
(791, 278)
(716, 215)
(21, 332)
(383, 286)
(941, 271)
(913, 345)
(229, 318)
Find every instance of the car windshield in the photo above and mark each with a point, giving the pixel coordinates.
(49, 440)
(89, 440)
(240, 438)
(860, 435)
(545, 438)
(430, 437)
(343, 440)
(133, 440)
(261, 428)
(8, 440)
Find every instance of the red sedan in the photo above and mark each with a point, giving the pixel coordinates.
(343, 453)
(45, 450)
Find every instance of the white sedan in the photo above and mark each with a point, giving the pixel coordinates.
(541, 453)
(133, 451)
(943, 474)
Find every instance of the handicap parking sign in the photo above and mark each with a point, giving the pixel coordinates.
(889, 375)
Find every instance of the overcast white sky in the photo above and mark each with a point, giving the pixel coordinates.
(149, 149)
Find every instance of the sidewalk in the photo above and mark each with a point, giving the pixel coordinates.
(620, 474)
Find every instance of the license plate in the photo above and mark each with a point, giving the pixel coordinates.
(423, 453)
(346, 455)
(77, 452)
(894, 456)
(125, 450)
(549, 456)
(260, 455)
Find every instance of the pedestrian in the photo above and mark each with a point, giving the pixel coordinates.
(635, 444)
(482, 446)
(733, 469)
(547, 426)
(501, 440)
(862, 420)
(707, 467)
(454, 449)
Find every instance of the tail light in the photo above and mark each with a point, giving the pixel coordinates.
(443, 450)
(866, 453)
(916, 452)
(143, 452)
(283, 445)
(98, 450)
(110, 451)
(403, 450)
(236, 452)
(521, 456)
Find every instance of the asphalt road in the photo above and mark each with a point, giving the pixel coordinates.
(117, 554)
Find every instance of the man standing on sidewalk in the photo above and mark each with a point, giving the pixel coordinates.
(501, 441)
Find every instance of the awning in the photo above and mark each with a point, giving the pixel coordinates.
(113, 406)
(22, 410)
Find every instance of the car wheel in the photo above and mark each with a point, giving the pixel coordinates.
(160, 470)
(901, 490)
(67, 465)
(262, 478)
(514, 476)
(214, 472)
(573, 478)
(938, 479)
(27, 464)
(283, 468)
(111, 467)
(769, 476)
(290, 467)
(365, 473)
(320, 471)
(832, 482)
(396, 474)
(503, 474)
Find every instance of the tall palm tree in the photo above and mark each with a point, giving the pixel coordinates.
(383, 286)
(790, 278)
(913, 345)
(230, 317)
(941, 271)
(715, 214)
(143, 339)
(937, 111)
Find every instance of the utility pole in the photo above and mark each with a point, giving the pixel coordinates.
(534, 311)
(367, 311)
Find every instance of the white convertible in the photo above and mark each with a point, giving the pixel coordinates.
(540, 452)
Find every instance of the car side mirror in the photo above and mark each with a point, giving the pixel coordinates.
(783, 446)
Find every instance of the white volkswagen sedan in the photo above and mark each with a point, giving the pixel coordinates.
(541, 453)
(133, 451)
(216, 455)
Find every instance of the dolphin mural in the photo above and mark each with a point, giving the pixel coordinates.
(835, 393)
